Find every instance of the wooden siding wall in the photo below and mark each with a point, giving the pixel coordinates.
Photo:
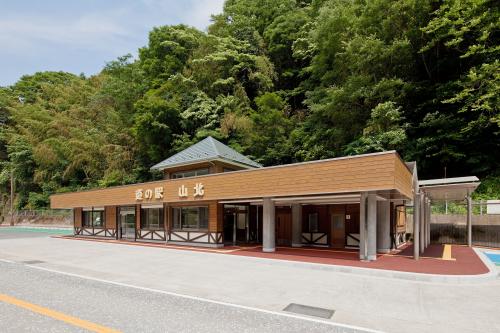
(110, 218)
(362, 173)
(403, 178)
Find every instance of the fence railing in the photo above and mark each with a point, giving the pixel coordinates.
(42, 213)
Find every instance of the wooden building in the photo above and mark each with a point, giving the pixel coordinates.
(213, 196)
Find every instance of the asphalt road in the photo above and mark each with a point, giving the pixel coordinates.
(120, 308)
(124, 309)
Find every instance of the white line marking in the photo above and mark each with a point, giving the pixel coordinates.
(8, 261)
(206, 300)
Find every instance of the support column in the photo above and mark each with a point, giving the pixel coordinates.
(422, 222)
(384, 226)
(371, 226)
(363, 254)
(469, 220)
(268, 226)
(296, 225)
(416, 225)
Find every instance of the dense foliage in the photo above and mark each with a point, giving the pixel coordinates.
(279, 80)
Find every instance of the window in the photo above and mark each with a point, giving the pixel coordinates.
(93, 218)
(241, 221)
(227, 169)
(313, 222)
(190, 218)
(190, 173)
(152, 219)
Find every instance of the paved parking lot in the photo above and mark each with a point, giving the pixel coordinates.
(385, 304)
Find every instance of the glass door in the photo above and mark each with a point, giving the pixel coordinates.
(127, 222)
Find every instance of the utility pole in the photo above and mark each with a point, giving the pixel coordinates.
(11, 197)
(446, 202)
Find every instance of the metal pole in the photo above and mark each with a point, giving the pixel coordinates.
(416, 225)
(469, 220)
(11, 197)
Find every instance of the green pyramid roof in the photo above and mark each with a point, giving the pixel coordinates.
(208, 149)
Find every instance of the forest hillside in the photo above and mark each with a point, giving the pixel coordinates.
(281, 81)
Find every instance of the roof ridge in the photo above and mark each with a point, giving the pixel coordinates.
(212, 142)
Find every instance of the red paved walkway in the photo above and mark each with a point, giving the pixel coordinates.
(466, 260)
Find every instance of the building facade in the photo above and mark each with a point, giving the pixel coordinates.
(213, 196)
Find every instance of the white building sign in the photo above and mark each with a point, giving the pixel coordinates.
(149, 194)
(199, 191)
(183, 191)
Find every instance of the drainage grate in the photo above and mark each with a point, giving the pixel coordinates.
(33, 262)
(309, 310)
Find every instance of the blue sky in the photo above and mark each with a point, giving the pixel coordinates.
(80, 36)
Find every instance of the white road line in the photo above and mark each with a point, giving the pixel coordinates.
(8, 261)
(206, 300)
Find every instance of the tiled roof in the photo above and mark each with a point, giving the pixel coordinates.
(207, 149)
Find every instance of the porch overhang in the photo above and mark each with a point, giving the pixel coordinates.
(451, 189)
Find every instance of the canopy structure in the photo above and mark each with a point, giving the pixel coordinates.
(449, 188)
(444, 189)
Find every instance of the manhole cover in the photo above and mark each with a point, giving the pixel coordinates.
(309, 310)
(33, 262)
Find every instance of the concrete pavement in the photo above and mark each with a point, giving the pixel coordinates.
(378, 303)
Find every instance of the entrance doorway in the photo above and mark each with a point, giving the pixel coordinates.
(127, 222)
(283, 226)
(236, 224)
(338, 230)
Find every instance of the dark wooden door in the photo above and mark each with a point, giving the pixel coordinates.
(338, 230)
(283, 227)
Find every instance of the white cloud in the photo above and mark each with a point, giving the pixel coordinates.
(87, 31)
(200, 15)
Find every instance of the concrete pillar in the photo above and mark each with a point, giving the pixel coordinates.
(363, 254)
(371, 226)
(416, 225)
(384, 226)
(422, 222)
(296, 225)
(469, 220)
(268, 226)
